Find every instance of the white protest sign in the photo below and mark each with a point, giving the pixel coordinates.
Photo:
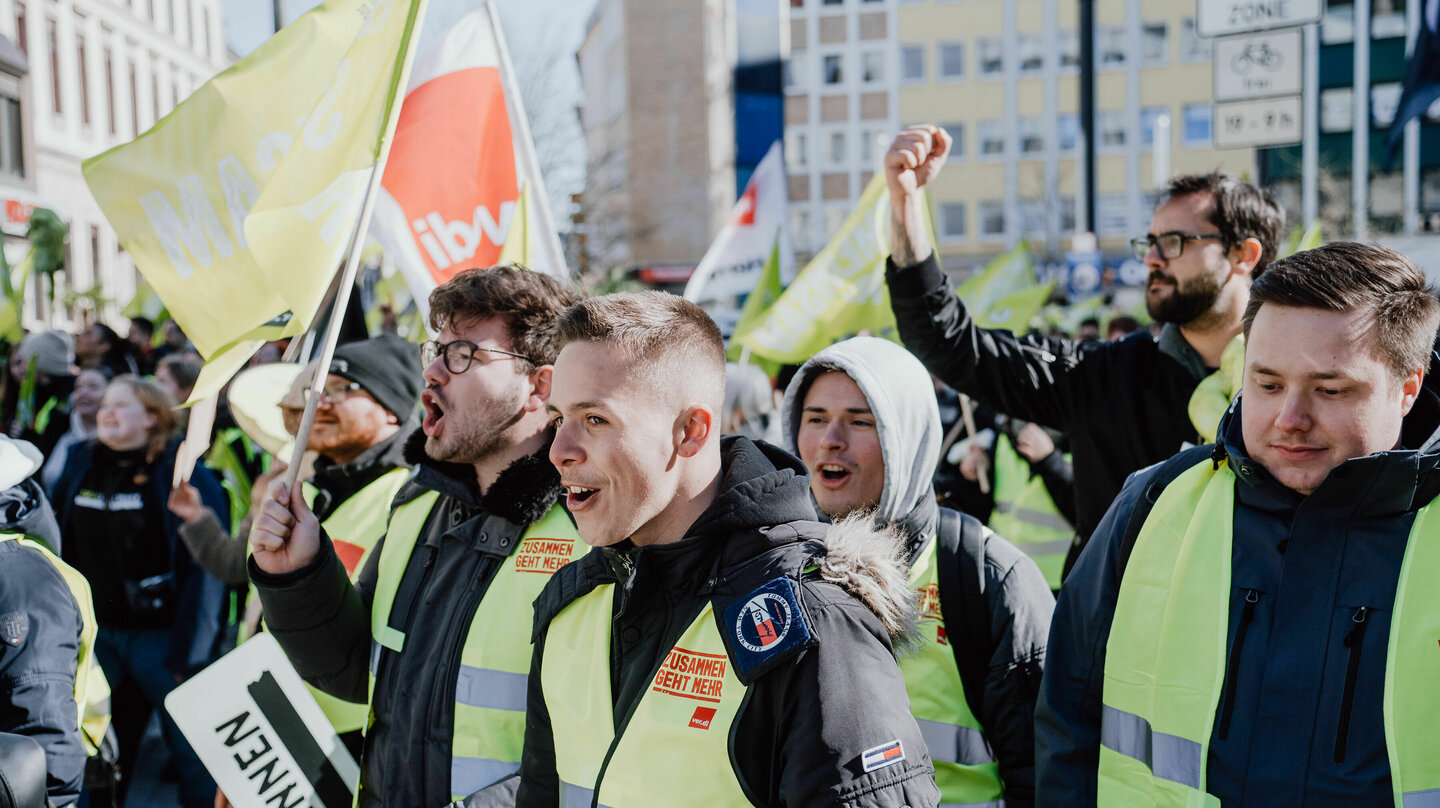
(261, 734)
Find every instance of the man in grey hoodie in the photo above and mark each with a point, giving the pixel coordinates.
(862, 416)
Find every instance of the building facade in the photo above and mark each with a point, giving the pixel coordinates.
(100, 72)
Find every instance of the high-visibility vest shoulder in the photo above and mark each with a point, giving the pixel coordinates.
(354, 528)
(494, 673)
(688, 711)
(80, 589)
(1026, 515)
(965, 767)
(1163, 677)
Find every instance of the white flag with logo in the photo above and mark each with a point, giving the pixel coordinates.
(733, 264)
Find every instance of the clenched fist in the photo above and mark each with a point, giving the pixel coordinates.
(286, 534)
(915, 157)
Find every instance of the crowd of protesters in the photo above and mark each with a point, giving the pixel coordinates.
(983, 568)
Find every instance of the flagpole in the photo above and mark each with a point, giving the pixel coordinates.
(1410, 167)
(515, 107)
(337, 317)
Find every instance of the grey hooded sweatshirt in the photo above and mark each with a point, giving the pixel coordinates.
(902, 398)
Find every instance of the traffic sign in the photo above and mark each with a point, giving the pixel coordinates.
(1259, 65)
(1266, 122)
(1221, 17)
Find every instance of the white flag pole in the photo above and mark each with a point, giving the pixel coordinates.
(552, 256)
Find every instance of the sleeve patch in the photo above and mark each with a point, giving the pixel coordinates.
(886, 754)
(14, 626)
(765, 624)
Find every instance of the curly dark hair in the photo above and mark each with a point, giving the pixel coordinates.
(1240, 211)
(529, 302)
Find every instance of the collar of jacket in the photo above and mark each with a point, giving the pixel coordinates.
(335, 482)
(523, 493)
(1174, 345)
(1397, 481)
(762, 487)
(24, 509)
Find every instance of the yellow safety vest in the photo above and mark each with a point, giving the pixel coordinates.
(1165, 660)
(676, 746)
(493, 679)
(965, 767)
(86, 669)
(1026, 515)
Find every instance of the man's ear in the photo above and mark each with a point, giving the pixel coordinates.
(1410, 389)
(1246, 255)
(540, 379)
(693, 430)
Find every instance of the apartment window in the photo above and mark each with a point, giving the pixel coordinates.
(1337, 109)
(1196, 126)
(992, 217)
(154, 91)
(84, 79)
(1110, 210)
(1154, 39)
(1033, 216)
(12, 144)
(134, 102)
(1193, 48)
(991, 137)
(1067, 214)
(1110, 125)
(1110, 46)
(837, 148)
(1031, 48)
(796, 150)
(53, 36)
(912, 62)
(1032, 137)
(1384, 103)
(110, 90)
(1067, 131)
(1149, 120)
(20, 34)
(833, 70)
(951, 56)
(871, 141)
(872, 66)
(170, 15)
(205, 31)
(95, 250)
(800, 228)
(991, 56)
(831, 2)
(952, 220)
(835, 216)
(1070, 50)
(787, 73)
(957, 139)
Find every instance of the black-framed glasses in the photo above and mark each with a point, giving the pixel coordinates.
(335, 393)
(459, 354)
(1171, 244)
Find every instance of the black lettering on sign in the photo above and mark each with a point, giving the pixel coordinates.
(315, 767)
(269, 774)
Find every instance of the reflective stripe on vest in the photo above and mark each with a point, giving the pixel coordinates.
(965, 767)
(688, 711)
(355, 527)
(493, 678)
(86, 668)
(1026, 515)
(1165, 659)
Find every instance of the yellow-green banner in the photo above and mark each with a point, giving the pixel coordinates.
(1004, 294)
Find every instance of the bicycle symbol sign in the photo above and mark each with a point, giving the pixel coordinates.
(1258, 65)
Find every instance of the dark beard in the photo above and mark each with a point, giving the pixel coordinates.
(482, 442)
(1186, 303)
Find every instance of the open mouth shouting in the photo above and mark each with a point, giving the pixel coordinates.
(833, 475)
(434, 413)
(579, 497)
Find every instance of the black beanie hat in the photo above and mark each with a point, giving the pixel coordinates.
(387, 367)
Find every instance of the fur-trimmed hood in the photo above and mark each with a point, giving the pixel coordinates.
(871, 563)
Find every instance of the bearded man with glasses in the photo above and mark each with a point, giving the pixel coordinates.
(1125, 405)
(436, 630)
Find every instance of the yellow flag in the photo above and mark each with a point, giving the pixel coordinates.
(1004, 294)
(517, 242)
(289, 132)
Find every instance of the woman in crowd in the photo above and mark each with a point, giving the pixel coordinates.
(84, 407)
(100, 345)
(159, 613)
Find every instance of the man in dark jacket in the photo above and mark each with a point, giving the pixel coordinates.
(708, 650)
(1257, 621)
(859, 417)
(1123, 404)
(436, 629)
(47, 626)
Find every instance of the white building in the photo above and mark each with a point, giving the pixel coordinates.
(99, 73)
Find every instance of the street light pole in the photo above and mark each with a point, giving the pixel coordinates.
(1087, 115)
(279, 16)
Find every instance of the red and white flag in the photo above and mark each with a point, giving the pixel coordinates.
(457, 163)
(736, 258)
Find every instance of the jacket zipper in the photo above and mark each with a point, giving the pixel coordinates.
(1232, 671)
(1354, 640)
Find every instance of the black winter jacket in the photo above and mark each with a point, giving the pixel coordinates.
(788, 746)
(1123, 404)
(1309, 564)
(323, 622)
(40, 627)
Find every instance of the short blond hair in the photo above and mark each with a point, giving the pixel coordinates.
(665, 332)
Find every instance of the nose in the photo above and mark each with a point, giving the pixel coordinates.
(565, 449)
(834, 437)
(1294, 414)
(435, 373)
(1153, 258)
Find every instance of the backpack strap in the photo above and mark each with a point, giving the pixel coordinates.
(1167, 473)
(960, 561)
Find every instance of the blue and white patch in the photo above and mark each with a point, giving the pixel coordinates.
(765, 624)
(886, 754)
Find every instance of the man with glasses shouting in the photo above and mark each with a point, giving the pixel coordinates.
(1127, 404)
(435, 633)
